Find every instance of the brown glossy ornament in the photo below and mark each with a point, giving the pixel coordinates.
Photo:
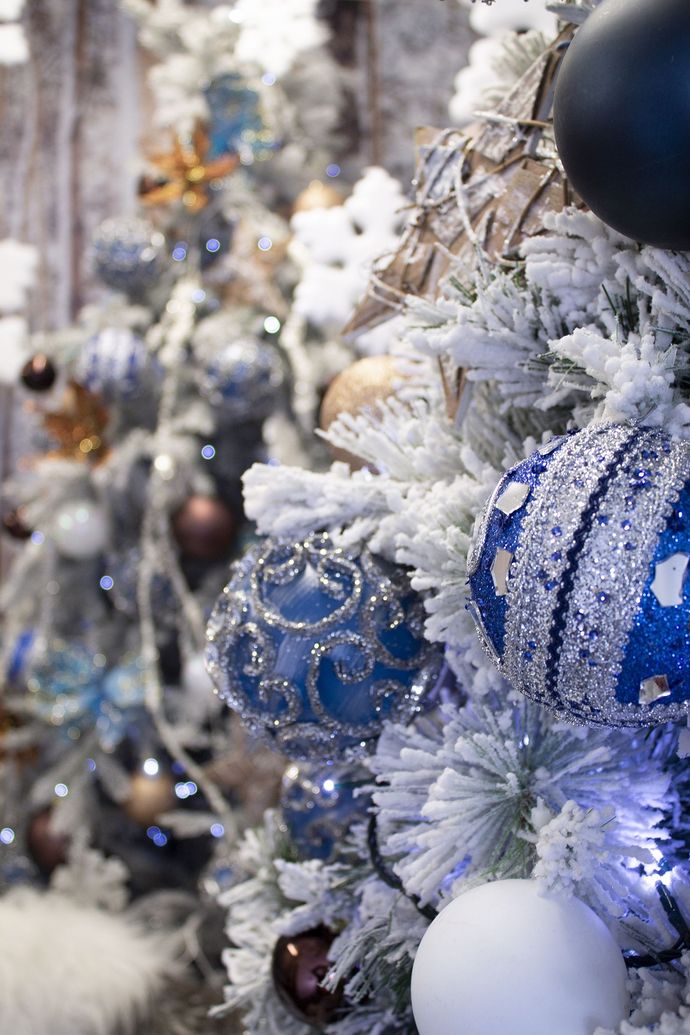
(47, 849)
(317, 195)
(204, 528)
(14, 524)
(356, 389)
(38, 373)
(300, 963)
(149, 796)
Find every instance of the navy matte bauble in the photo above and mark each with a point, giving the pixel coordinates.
(621, 117)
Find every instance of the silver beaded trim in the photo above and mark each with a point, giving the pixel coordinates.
(612, 571)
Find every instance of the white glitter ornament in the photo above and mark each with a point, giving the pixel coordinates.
(80, 529)
(504, 957)
(128, 254)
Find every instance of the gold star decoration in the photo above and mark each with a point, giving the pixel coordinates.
(78, 426)
(185, 173)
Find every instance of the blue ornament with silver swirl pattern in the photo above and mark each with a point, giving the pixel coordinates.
(319, 802)
(315, 647)
(579, 581)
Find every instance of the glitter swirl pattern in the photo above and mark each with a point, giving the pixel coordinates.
(315, 646)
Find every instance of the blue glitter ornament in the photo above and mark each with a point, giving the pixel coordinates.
(315, 647)
(578, 576)
(319, 805)
(244, 379)
(69, 685)
(236, 124)
(128, 254)
(115, 363)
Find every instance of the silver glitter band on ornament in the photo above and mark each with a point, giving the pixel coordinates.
(554, 513)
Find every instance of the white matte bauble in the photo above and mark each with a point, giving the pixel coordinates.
(201, 700)
(80, 529)
(504, 957)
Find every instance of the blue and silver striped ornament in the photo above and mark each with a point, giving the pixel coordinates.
(578, 576)
(114, 363)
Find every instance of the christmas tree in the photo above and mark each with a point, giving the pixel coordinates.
(455, 619)
(512, 857)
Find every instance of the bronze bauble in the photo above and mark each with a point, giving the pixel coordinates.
(149, 797)
(205, 528)
(38, 373)
(14, 524)
(47, 849)
(317, 195)
(356, 389)
(300, 963)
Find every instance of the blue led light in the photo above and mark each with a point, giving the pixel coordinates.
(208, 451)
(217, 830)
(333, 169)
(7, 835)
(91, 765)
(264, 244)
(106, 582)
(159, 839)
(179, 252)
(268, 79)
(61, 790)
(213, 245)
(38, 538)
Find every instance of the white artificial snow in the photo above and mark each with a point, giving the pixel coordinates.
(513, 15)
(14, 47)
(273, 33)
(18, 264)
(11, 10)
(69, 969)
(336, 247)
(14, 349)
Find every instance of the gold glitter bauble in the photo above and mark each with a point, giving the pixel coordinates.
(317, 195)
(357, 389)
(149, 797)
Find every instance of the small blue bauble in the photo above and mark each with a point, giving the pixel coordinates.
(315, 647)
(115, 363)
(63, 682)
(244, 379)
(128, 254)
(578, 576)
(236, 124)
(319, 804)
